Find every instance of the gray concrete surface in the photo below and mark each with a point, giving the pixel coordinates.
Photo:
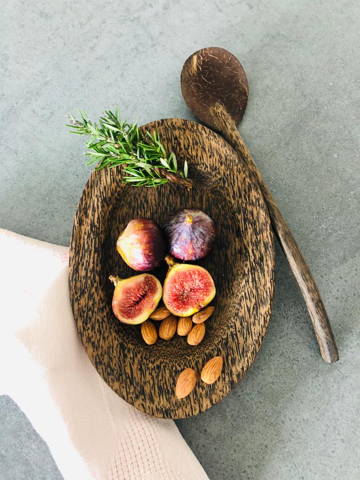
(293, 416)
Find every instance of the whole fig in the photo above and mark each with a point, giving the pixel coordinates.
(141, 245)
(191, 234)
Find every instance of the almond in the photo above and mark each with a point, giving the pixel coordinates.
(196, 334)
(212, 370)
(203, 315)
(160, 314)
(168, 328)
(184, 326)
(185, 383)
(149, 332)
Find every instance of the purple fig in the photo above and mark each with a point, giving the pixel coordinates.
(191, 234)
(142, 245)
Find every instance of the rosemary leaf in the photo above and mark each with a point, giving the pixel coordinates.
(185, 169)
(164, 163)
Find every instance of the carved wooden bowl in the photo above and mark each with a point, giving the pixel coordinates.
(241, 263)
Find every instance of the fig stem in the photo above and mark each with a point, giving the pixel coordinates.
(170, 261)
(114, 279)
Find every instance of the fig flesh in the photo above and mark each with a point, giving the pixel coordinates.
(191, 234)
(142, 245)
(187, 288)
(135, 298)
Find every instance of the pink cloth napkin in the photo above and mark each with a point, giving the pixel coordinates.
(91, 432)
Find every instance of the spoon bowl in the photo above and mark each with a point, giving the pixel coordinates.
(214, 75)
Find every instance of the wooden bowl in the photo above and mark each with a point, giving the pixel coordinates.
(242, 265)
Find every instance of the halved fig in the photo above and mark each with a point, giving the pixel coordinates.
(187, 288)
(135, 298)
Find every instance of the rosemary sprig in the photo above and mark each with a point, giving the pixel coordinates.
(144, 160)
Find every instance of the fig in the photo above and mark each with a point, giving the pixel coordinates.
(187, 288)
(135, 298)
(142, 245)
(191, 234)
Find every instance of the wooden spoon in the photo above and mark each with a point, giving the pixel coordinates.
(215, 88)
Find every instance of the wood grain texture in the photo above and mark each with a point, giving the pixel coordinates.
(242, 265)
(213, 75)
(321, 324)
(215, 88)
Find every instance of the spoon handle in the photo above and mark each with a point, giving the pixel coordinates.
(301, 271)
